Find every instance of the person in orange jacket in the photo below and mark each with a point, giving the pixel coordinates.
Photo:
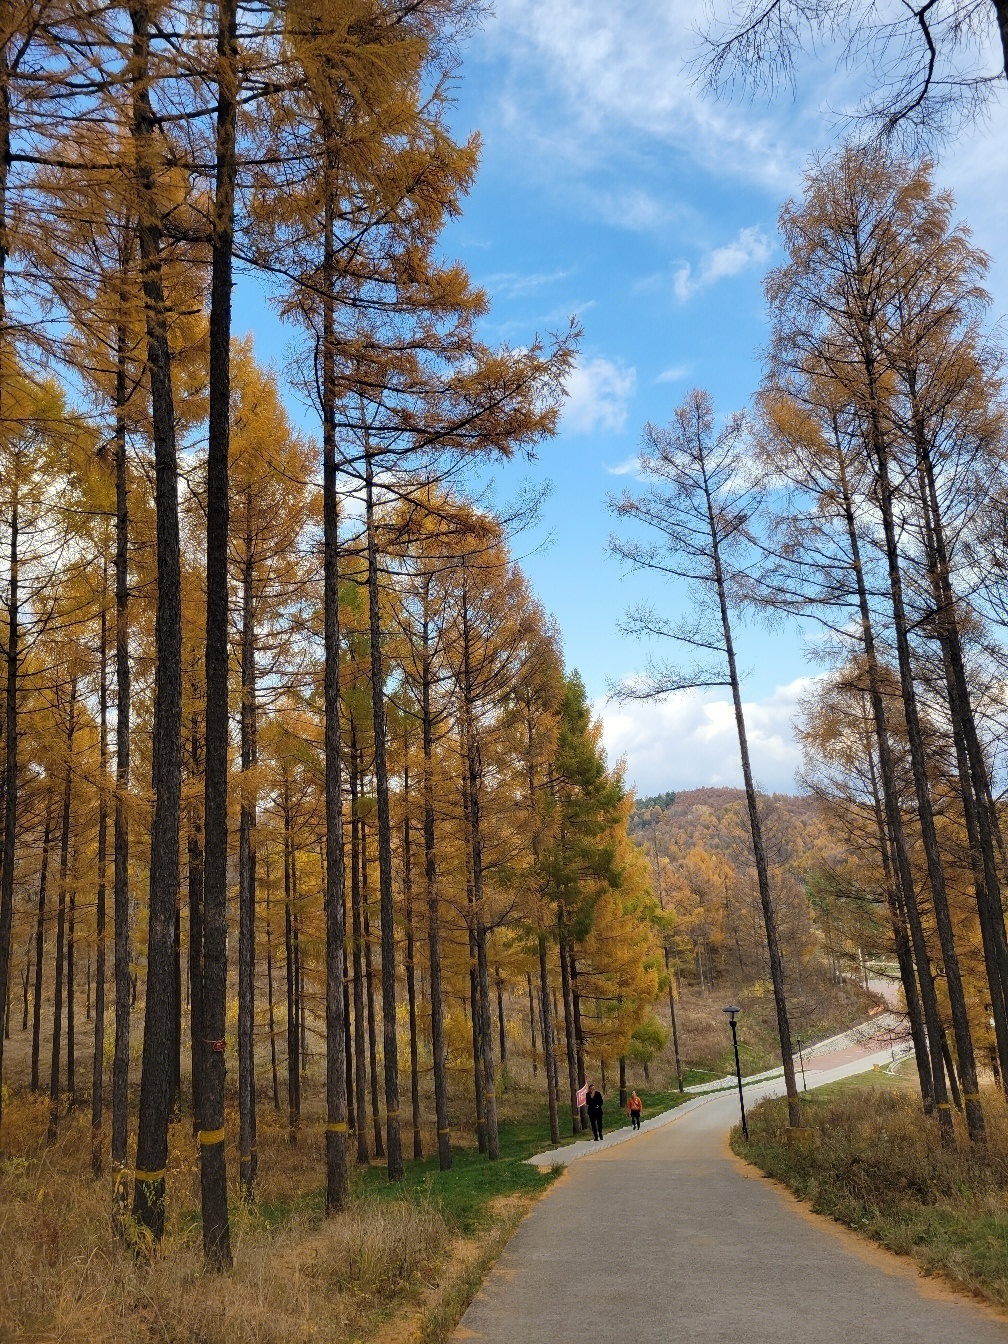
(635, 1106)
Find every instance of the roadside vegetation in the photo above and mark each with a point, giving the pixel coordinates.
(404, 1257)
(882, 1173)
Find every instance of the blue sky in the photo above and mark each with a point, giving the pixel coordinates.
(610, 188)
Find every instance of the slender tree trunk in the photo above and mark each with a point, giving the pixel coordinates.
(532, 1026)
(936, 875)
(936, 1095)
(759, 854)
(475, 835)
(71, 986)
(901, 939)
(269, 984)
(970, 762)
(438, 1049)
(337, 1172)
(177, 1023)
(247, 879)
(369, 982)
(565, 984)
(213, 1167)
(293, 1075)
(13, 631)
(410, 972)
(549, 1041)
(120, 860)
(500, 1018)
(194, 854)
(348, 1051)
(40, 941)
(579, 1044)
(363, 1156)
(387, 916)
(166, 747)
(10, 780)
(54, 1074)
(476, 1013)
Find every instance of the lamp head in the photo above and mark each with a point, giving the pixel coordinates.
(732, 1012)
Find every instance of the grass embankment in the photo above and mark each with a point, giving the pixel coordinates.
(818, 1009)
(401, 1264)
(880, 1169)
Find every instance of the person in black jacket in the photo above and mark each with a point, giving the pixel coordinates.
(595, 1103)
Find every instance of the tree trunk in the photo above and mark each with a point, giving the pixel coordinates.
(474, 764)
(476, 1013)
(532, 1026)
(40, 942)
(337, 1173)
(293, 1073)
(410, 972)
(54, 1074)
(269, 985)
(500, 1018)
(936, 875)
(970, 762)
(369, 982)
(120, 875)
(549, 1041)
(247, 880)
(438, 1049)
(565, 984)
(769, 915)
(194, 857)
(935, 1095)
(579, 1044)
(213, 1167)
(166, 746)
(71, 986)
(348, 1052)
(13, 635)
(901, 939)
(622, 1083)
(360, 1078)
(387, 916)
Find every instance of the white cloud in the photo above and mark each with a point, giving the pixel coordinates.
(513, 284)
(675, 373)
(625, 468)
(622, 68)
(689, 739)
(598, 391)
(750, 248)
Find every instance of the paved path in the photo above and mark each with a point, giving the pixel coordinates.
(664, 1236)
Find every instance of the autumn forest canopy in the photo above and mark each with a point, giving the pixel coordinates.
(309, 829)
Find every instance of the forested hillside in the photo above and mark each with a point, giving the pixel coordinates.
(700, 850)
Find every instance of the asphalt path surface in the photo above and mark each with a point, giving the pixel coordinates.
(665, 1235)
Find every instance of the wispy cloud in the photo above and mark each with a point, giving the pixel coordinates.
(515, 285)
(675, 373)
(598, 392)
(627, 467)
(750, 248)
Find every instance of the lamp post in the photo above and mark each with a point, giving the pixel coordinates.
(732, 1014)
(801, 1061)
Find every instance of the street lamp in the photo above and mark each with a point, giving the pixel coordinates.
(732, 1014)
(801, 1061)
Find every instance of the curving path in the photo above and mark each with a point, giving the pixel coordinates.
(666, 1236)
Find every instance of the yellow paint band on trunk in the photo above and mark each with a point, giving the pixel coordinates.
(208, 1137)
(337, 1127)
(149, 1177)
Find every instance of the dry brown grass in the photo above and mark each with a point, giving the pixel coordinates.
(297, 1276)
(880, 1169)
